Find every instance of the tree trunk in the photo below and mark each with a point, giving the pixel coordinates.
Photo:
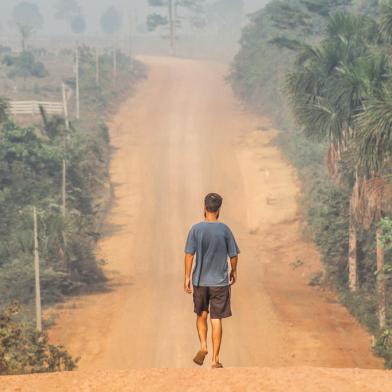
(171, 27)
(352, 253)
(38, 311)
(64, 189)
(381, 298)
(96, 67)
(114, 65)
(77, 82)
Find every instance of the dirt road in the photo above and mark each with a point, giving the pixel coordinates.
(303, 379)
(181, 136)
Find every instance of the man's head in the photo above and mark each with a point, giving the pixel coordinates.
(213, 203)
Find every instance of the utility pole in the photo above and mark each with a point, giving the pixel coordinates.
(114, 65)
(64, 189)
(64, 205)
(130, 40)
(38, 312)
(77, 82)
(64, 174)
(171, 26)
(175, 8)
(96, 66)
(65, 104)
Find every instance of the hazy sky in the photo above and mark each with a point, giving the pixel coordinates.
(254, 5)
(93, 10)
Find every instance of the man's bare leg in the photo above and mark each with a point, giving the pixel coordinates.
(202, 328)
(216, 325)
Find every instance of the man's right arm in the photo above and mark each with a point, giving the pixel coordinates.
(188, 270)
(190, 250)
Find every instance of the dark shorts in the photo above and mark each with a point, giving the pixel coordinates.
(216, 300)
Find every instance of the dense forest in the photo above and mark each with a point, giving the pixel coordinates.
(322, 70)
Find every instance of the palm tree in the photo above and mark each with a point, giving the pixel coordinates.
(327, 90)
(375, 146)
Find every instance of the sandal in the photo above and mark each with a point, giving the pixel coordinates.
(199, 358)
(217, 365)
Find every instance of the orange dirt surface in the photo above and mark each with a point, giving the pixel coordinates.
(302, 379)
(181, 136)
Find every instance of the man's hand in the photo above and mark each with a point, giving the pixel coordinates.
(187, 286)
(233, 277)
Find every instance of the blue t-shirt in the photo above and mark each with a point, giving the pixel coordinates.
(213, 243)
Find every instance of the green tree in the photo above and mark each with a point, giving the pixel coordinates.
(67, 10)
(71, 12)
(111, 21)
(375, 152)
(30, 174)
(324, 7)
(78, 24)
(3, 110)
(375, 146)
(28, 19)
(329, 88)
(225, 16)
(386, 20)
(193, 12)
(24, 65)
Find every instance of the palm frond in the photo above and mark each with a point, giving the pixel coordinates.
(302, 85)
(286, 43)
(321, 120)
(307, 54)
(386, 21)
(375, 135)
(351, 27)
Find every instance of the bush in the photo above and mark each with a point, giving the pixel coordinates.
(386, 227)
(383, 346)
(24, 65)
(25, 350)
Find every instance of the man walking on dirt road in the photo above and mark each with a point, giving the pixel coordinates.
(213, 243)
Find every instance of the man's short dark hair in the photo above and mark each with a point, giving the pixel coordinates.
(213, 202)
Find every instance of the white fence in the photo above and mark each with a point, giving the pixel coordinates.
(32, 107)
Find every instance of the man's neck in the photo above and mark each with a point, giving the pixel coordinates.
(211, 217)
